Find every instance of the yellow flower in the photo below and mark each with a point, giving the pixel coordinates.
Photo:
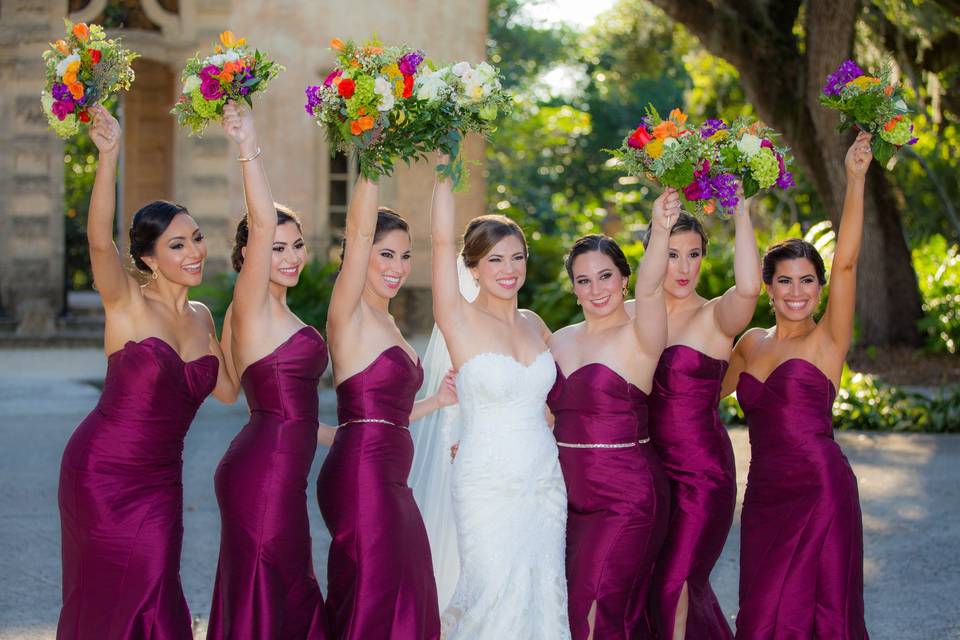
(230, 41)
(863, 82)
(720, 134)
(398, 89)
(392, 71)
(73, 67)
(654, 148)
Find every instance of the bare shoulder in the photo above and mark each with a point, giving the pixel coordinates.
(750, 339)
(630, 306)
(202, 313)
(536, 320)
(565, 336)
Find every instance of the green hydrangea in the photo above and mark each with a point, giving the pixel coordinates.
(899, 135)
(66, 128)
(764, 167)
(206, 109)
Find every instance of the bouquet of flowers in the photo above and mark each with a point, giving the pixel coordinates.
(458, 99)
(233, 72)
(747, 153)
(674, 155)
(82, 70)
(872, 104)
(366, 104)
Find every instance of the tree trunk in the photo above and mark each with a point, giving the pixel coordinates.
(784, 85)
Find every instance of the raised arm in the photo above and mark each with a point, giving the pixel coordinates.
(838, 318)
(253, 283)
(360, 229)
(650, 311)
(735, 309)
(111, 279)
(447, 302)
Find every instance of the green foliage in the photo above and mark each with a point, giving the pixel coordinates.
(309, 300)
(863, 403)
(938, 272)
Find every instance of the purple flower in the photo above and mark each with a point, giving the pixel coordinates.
(408, 63)
(836, 81)
(711, 126)
(244, 90)
(336, 73)
(210, 88)
(62, 108)
(767, 144)
(59, 91)
(725, 190)
(313, 99)
(785, 179)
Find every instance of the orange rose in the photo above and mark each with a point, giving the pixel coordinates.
(710, 207)
(355, 128)
(81, 31)
(666, 129)
(891, 124)
(76, 90)
(366, 123)
(337, 44)
(678, 116)
(888, 90)
(61, 47)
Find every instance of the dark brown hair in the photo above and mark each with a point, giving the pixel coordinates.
(792, 249)
(387, 220)
(603, 244)
(483, 232)
(685, 222)
(148, 224)
(284, 215)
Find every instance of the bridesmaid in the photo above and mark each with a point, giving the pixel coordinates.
(265, 585)
(618, 496)
(686, 431)
(801, 539)
(121, 490)
(379, 574)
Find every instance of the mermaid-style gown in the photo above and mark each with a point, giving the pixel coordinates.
(121, 498)
(618, 500)
(265, 586)
(801, 539)
(697, 457)
(379, 574)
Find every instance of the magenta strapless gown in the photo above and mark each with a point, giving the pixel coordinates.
(380, 573)
(697, 457)
(801, 538)
(618, 500)
(265, 586)
(121, 498)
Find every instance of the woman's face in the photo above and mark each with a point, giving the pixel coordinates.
(389, 264)
(179, 252)
(289, 255)
(597, 283)
(795, 290)
(503, 270)
(683, 268)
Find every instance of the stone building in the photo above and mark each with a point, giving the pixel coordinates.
(159, 160)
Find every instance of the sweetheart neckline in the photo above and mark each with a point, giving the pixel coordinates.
(416, 365)
(279, 346)
(695, 350)
(167, 345)
(777, 368)
(605, 366)
(505, 356)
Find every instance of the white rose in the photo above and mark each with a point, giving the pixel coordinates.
(429, 86)
(461, 68)
(749, 144)
(191, 84)
(669, 142)
(384, 89)
(486, 72)
(63, 64)
(231, 56)
(217, 59)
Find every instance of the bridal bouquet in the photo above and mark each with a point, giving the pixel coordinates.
(82, 70)
(366, 104)
(872, 104)
(674, 155)
(458, 99)
(746, 152)
(234, 72)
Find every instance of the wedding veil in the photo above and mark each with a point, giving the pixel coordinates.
(432, 473)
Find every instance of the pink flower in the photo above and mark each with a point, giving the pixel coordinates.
(63, 108)
(336, 73)
(209, 71)
(210, 88)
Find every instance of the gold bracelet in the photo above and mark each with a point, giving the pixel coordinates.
(253, 157)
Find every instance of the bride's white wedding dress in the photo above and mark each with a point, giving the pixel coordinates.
(510, 506)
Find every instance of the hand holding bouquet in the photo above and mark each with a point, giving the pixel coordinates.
(233, 72)
(872, 104)
(82, 70)
(366, 104)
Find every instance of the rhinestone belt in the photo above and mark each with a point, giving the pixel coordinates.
(377, 420)
(621, 445)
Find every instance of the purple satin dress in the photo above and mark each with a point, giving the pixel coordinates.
(618, 500)
(380, 573)
(265, 586)
(801, 538)
(121, 498)
(697, 457)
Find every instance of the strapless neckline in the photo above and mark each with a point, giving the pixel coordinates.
(504, 356)
(279, 347)
(164, 343)
(776, 370)
(415, 364)
(697, 351)
(602, 366)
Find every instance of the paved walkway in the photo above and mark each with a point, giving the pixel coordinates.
(908, 487)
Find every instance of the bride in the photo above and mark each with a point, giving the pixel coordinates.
(508, 497)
